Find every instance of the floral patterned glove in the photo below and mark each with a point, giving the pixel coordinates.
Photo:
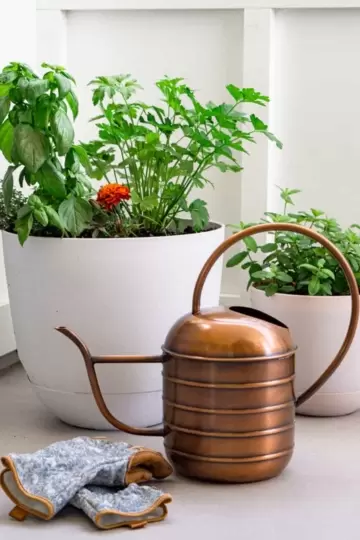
(44, 482)
(134, 506)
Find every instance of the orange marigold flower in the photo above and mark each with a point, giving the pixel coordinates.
(110, 195)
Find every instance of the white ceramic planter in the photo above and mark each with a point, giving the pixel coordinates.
(318, 325)
(121, 296)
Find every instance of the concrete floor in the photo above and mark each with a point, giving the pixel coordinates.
(317, 497)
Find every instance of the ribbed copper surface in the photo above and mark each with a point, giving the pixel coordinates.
(229, 420)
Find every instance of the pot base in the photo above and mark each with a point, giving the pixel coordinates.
(79, 409)
(331, 404)
(236, 471)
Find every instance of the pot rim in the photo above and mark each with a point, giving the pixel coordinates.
(303, 296)
(219, 227)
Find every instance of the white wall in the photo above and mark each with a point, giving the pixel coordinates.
(316, 89)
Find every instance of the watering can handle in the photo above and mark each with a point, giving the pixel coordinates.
(350, 278)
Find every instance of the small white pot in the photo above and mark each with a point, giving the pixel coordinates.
(121, 296)
(318, 325)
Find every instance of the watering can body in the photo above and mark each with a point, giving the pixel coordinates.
(228, 393)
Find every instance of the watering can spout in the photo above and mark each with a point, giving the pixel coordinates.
(90, 362)
(76, 340)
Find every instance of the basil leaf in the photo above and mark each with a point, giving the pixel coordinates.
(6, 139)
(63, 84)
(51, 180)
(31, 146)
(8, 187)
(73, 103)
(4, 108)
(36, 88)
(63, 132)
(23, 227)
(75, 214)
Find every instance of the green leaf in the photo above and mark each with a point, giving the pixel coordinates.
(235, 92)
(63, 132)
(308, 266)
(315, 213)
(42, 111)
(14, 155)
(283, 276)
(4, 108)
(54, 218)
(23, 227)
(329, 273)
(135, 198)
(68, 76)
(261, 274)
(22, 177)
(34, 201)
(5, 89)
(24, 211)
(41, 216)
(8, 186)
(31, 146)
(251, 244)
(152, 138)
(72, 161)
(254, 267)
(354, 263)
(326, 289)
(287, 289)
(149, 202)
(63, 84)
(6, 139)
(314, 286)
(75, 214)
(21, 89)
(268, 248)
(271, 289)
(186, 166)
(51, 180)
(23, 117)
(15, 95)
(274, 139)
(36, 88)
(7, 77)
(199, 215)
(83, 158)
(258, 124)
(73, 102)
(82, 179)
(236, 259)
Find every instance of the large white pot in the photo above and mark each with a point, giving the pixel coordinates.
(318, 325)
(121, 296)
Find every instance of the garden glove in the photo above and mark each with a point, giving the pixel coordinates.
(44, 482)
(133, 506)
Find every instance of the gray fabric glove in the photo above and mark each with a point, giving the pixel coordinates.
(42, 483)
(133, 506)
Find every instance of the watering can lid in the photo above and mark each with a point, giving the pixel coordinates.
(235, 333)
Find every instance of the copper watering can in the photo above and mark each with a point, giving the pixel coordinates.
(228, 374)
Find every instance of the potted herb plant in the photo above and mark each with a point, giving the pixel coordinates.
(298, 282)
(116, 262)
